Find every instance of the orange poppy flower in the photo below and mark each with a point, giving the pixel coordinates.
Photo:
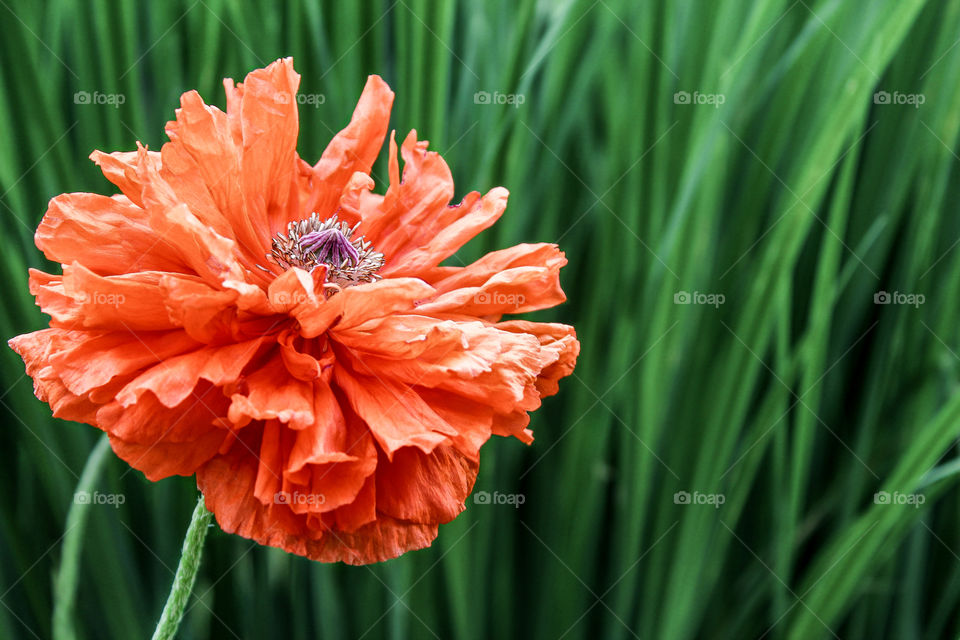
(288, 335)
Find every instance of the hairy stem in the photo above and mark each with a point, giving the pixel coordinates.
(186, 574)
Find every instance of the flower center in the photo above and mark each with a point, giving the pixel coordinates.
(331, 246)
(310, 243)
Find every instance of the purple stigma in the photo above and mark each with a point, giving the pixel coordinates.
(330, 246)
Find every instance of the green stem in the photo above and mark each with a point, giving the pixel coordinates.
(65, 583)
(186, 574)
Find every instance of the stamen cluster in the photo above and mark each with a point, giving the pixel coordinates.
(312, 242)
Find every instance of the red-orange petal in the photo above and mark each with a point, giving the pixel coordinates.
(353, 149)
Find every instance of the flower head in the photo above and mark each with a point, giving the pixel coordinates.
(288, 335)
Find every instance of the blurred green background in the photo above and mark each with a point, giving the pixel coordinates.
(744, 447)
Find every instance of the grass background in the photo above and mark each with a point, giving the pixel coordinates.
(797, 399)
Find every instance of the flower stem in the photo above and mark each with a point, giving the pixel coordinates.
(65, 582)
(186, 574)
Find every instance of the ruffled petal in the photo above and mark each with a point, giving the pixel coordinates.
(411, 205)
(237, 170)
(271, 393)
(330, 462)
(354, 149)
(413, 224)
(211, 257)
(175, 378)
(520, 279)
(205, 313)
(161, 460)
(470, 359)
(201, 165)
(36, 349)
(557, 339)
(108, 235)
(560, 339)
(426, 488)
(97, 359)
(506, 368)
(396, 415)
(82, 299)
(455, 226)
(164, 441)
(355, 305)
(264, 110)
(380, 540)
(228, 484)
(121, 168)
